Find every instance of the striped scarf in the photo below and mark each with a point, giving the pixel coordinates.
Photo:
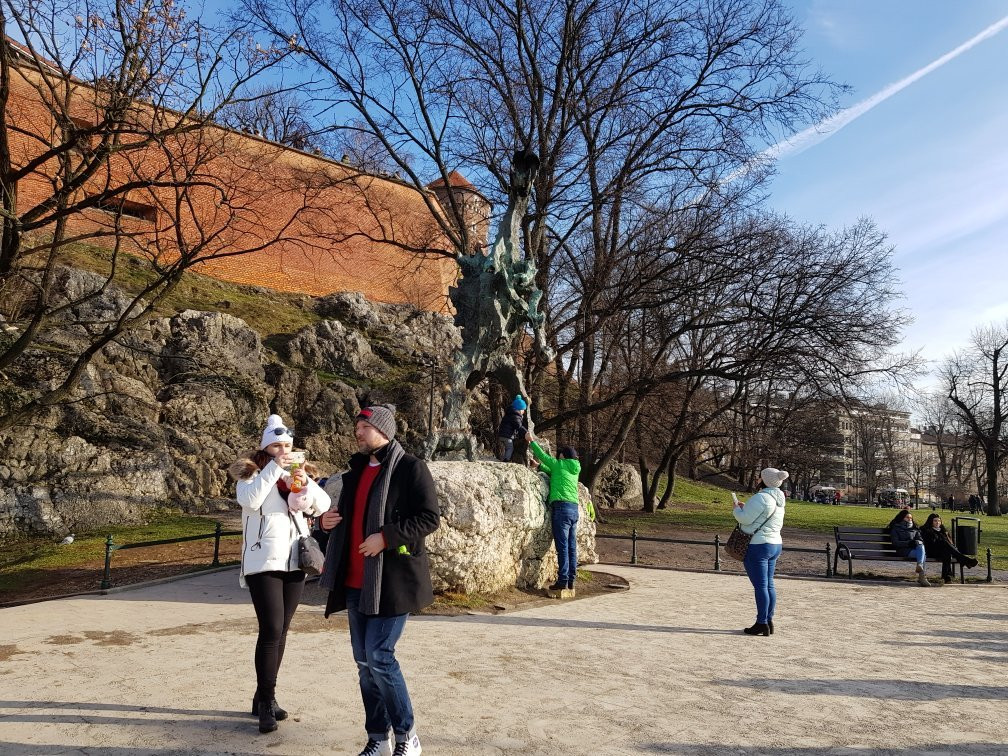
(370, 598)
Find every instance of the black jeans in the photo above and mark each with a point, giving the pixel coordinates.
(947, 553)
(275, 596)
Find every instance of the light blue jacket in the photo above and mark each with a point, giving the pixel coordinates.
(766, 504)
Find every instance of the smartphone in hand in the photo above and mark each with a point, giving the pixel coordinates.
(734, 498)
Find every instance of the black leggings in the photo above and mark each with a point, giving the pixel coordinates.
(275, 596)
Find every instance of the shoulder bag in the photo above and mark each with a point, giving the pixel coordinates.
(738, 541)
(311, 560)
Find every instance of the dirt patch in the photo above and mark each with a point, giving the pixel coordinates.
(7, 651)
(588, 584)
(64, 640)
(114, 638)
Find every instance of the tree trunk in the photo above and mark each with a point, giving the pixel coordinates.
(993, 506)
(670, 472)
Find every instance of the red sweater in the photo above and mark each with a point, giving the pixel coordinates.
(355, 565)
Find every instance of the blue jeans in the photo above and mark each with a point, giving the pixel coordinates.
(760, 562)
(383, 689)
(917, 554)
(564, 521)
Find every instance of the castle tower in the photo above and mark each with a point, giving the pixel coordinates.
(475, 207)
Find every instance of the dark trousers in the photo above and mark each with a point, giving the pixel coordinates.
(275, 596)
(948, 554)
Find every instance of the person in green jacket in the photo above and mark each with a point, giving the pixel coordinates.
(563, 500)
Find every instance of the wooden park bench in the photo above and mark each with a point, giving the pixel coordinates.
(868, 543)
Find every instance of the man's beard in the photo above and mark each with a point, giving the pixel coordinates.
(369, 449)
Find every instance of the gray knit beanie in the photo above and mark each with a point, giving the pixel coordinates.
(382, 417)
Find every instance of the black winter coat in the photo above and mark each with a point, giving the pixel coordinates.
(904, 538)
(411, 514)
(511, 424)
(936, 542)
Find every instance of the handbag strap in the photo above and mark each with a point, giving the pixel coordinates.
(767, 518)
(294, 520)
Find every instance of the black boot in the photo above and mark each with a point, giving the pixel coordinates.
(280, 714)
(267, 721)
(760, 628)
(970, 562)
(769, 624)
(559, 585)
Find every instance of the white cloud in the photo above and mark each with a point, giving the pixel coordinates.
(829, 126)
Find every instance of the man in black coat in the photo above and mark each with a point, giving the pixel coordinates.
(377, 569)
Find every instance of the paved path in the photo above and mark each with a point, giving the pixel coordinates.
(662, 668)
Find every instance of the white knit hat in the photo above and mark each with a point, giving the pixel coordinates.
(275, 431)
(772, 477)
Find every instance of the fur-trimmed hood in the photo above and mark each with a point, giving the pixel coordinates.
(243, 468)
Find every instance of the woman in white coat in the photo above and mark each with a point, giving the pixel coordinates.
(763, 516)
(272, 522)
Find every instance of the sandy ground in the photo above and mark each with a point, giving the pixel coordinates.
(662, 668)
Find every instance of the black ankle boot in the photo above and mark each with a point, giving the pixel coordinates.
(559, 585)
(760, 628)
(267, 721)
(280, 714)
(769, 624)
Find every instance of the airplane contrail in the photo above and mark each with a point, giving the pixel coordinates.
(813, 135)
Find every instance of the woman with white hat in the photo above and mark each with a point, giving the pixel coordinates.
(762, 516)
(274, 502)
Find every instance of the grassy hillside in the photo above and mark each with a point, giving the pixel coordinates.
(266, 312)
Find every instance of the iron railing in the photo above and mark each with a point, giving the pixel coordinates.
(827, 551)
(111, 546)
(717, 543)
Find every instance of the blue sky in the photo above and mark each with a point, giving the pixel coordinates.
(929, 164)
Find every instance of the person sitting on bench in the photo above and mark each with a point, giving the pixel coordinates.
(908, 542)
(938, 545)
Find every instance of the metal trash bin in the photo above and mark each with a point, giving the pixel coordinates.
(966, 535)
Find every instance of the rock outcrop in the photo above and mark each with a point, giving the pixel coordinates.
(495, 530)
(160, 415)
(162, 412)
(619, 487)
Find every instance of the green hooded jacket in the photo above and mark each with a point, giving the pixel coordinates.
(563, 475)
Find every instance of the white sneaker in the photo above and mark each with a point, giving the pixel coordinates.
(377, 747)
(409, 747)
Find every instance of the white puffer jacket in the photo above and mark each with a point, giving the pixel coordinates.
(270, 531)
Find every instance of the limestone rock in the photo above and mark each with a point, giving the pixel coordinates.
(619, 487)
(495, 531)
(164, 409)
(332, 347)
(212, 343)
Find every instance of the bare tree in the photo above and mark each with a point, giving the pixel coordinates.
(763, 296)
(274, 113)
(868, 449)
(639, 114)
(107, 139)
(976, 380)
